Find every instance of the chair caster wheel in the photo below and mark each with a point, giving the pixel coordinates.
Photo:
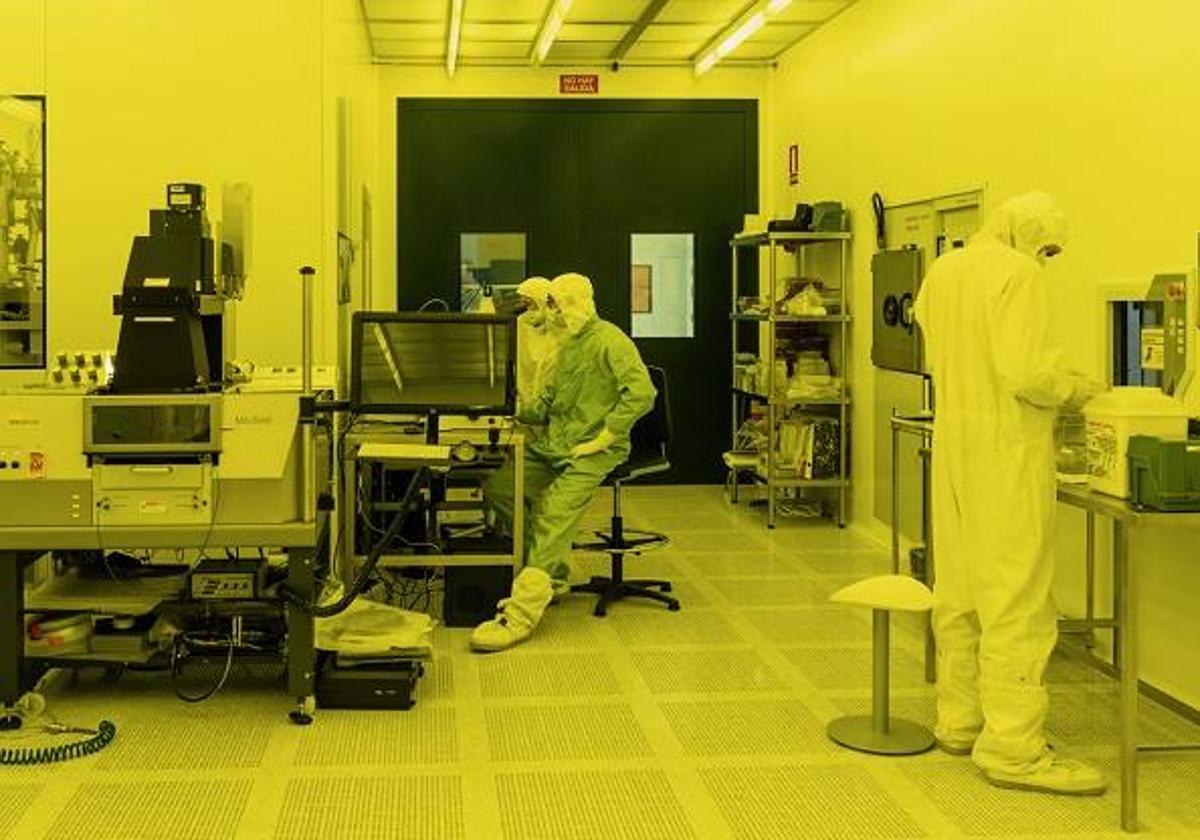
(10, 722)
(304, 712)
(666, 587)
(673, 607)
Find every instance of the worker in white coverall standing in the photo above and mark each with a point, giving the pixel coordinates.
(998, 381)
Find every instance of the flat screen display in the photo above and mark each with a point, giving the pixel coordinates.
(415, 362)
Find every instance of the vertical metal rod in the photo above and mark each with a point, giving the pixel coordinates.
(843, 420)
(12, 627)
(930, 575)
(772, 432)
(881, 654)
(895, 496)
(1125, 584)
(309, 490)
(1090, 564)
(735, 325)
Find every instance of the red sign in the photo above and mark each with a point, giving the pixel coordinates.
(793, 164)
(579, 83)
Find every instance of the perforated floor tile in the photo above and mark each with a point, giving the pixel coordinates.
(919, 709)
(438, 682)
(765, 726)
(560, 732)
(764, 592)
(518, 674)
(421, 735)
(194, 744)
(746, 565)
(1065, 669)
(1172, 782)
(831, 801)
(738, 542)
(865, 562)
(600, 805)
(15, 800)
(151, 810)
(372, 809)
(840, 668)
(705, 671)
(808, 624)
(686, 627)
(818, 536)
(1088, 716)
(568, 624)
(977, 808)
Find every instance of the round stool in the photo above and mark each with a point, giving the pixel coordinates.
(879, 732)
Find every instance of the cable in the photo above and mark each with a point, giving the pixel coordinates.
(425, 306)
(105, 733)
(880, 224)
(365, 574)
(175, 662)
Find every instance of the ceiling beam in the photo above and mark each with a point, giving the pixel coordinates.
(556, 13)
(454, 19)
(366, 22)
(639, 27)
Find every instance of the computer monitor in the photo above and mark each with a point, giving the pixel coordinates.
(422, 362)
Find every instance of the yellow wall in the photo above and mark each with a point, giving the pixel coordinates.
(1094, 102)
(528, 83)
(140, 93)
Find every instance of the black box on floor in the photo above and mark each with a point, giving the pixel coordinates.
(375, 684)
(472, 592)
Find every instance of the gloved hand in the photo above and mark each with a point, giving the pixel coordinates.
(1083, 389)
(599, 443)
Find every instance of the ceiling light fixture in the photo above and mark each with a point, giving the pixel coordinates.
(454, 35)
(549, 31)
(736, 33)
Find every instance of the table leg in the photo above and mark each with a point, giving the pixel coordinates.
(1089, 639)
(12, 631)
(1125, 653)
(301, 656)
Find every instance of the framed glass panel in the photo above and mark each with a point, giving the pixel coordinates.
(491, 266)
(22, 232)
(662, 291)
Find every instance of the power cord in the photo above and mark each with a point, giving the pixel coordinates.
(177, 660)
(880, 224)
(366, 573)
(100, 738)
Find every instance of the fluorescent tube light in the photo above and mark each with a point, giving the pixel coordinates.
(454, 35)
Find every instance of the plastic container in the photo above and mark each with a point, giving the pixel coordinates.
(1112, 418)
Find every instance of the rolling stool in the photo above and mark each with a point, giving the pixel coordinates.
(879, 732)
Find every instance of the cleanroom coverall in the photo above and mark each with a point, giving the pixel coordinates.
(997, 382)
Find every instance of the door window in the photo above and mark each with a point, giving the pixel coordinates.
(662, 280)
(491, 266)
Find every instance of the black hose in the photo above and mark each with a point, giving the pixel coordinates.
(368, 568)
(880, 225)
(106, 731)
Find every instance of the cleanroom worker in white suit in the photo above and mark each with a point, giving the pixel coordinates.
(998, 380)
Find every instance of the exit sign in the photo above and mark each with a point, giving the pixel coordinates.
(579, 83)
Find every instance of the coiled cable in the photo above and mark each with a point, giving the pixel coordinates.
(105, 733)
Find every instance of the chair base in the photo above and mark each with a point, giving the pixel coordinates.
(857, 732)
(611, 591)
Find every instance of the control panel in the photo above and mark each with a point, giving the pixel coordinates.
(79, 369)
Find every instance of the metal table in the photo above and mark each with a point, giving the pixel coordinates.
(19, 547)
(1123, 624)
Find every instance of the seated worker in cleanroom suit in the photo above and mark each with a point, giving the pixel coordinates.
(998, 381)
(537, 342)
(597, 390)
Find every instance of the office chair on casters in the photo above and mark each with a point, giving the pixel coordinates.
(648, 456)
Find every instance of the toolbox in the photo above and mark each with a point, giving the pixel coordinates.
(1164, 474)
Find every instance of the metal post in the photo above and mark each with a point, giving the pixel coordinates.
(895, 496)
(12, 627)
(772, 432)
(881, 656)
(1089, 638)
(1124, 582)
(301, 655)
(843, 420)
(735, 325)
(927, 539)
(308, 491)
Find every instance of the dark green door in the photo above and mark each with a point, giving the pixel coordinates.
(580, 179)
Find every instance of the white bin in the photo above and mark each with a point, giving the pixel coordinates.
(1118, 414)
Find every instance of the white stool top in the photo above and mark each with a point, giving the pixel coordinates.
(887, 592)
